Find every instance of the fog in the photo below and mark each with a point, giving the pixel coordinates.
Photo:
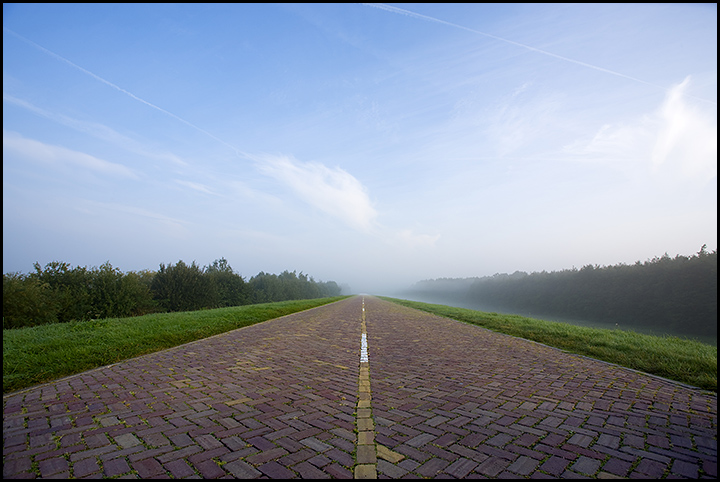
(675, 296)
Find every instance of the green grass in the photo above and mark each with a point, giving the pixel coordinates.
(43, 353)
(682, 360)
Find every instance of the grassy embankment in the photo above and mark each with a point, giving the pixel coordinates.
(683, 360)
(42, 353)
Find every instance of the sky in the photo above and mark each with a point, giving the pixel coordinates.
(372, 145)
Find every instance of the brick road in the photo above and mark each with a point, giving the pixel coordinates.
(288, 398)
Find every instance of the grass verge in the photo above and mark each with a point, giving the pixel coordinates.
(43, 353)
(682, 360)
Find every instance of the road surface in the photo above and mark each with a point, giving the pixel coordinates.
(304, 396)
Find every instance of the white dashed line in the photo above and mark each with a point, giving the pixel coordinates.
(363, 349)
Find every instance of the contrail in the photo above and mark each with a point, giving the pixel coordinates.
(120, 89)
(408, 13)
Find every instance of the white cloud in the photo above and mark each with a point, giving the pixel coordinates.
(626, 144)
(37, 151)
(677, 142)
(524, 123)
(196, 186)
(687, 138)
(96, 130)
(333, 191)
(342, 196)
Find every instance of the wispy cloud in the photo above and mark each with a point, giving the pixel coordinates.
(521, 125)
(333, 191)
(37, 151)
(168, 225)
(677, 141)
(94, 129)
(342, 196)
(418, 16)
(196, 186)
(687, 136)
(120, 89)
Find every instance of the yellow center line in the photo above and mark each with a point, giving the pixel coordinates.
(365, 455)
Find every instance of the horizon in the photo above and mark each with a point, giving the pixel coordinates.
(398, 290)
(371, 145)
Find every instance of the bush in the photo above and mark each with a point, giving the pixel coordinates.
(60, 293)
(27, 301)
(229, 288)
(182, 287)
(70, 289)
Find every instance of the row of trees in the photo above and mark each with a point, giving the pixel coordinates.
(61, 293)
(672, 295)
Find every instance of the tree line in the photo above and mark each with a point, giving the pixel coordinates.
(60, 293)
(676, 295)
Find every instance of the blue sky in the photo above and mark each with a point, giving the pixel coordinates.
(370, 145)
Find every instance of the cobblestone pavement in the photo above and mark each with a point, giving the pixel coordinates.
(456, 400)
(276, 399)
(289, 398)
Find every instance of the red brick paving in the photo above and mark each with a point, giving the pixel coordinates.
(278, 400)
(509, 408)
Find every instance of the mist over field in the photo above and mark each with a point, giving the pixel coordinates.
(708, 336)
(373, 146)
(663, 296)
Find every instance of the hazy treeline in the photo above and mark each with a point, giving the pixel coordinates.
(677, 295)
(61, 293)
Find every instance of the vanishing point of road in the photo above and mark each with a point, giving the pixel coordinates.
(360, 388)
